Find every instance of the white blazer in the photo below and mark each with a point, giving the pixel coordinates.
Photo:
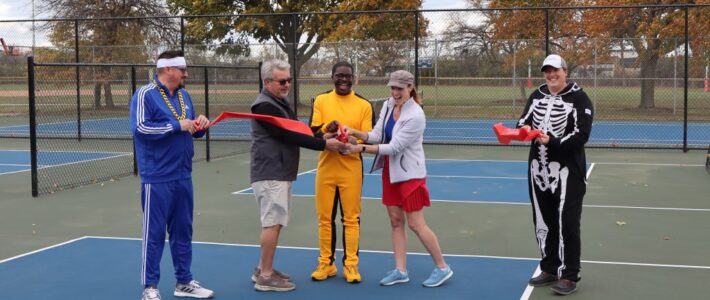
(405, 150)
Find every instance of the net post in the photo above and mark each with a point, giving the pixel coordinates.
(33, 122)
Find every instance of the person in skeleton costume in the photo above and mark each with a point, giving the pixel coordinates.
(557, 173)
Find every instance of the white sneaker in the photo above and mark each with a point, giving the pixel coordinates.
(192, 290)
(150, 293)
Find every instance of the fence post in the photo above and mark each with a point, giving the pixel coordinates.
(685, 86)
(294, 31)
(261, 80)
(547, 32)
(416, 48)
(207, 113)
(33, 122)
(182, 35)
(133, 91)
(78, 80)
(515, 97)
(594, 97)
(675, 75)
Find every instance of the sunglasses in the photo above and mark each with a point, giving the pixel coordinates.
(283, 82)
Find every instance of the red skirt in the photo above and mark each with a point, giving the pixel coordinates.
(411, 195)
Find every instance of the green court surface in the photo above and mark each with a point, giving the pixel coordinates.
(645, 222)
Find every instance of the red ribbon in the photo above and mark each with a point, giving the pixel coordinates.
(288, 124)
(505, 135)
(342, 136)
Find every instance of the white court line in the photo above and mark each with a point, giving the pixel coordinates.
(380, 251)
(589, 171)
(63, 122)
(42, 249)
(16, 165)
(63, 151)
(529, 288)
(13, 172)
(241, 192)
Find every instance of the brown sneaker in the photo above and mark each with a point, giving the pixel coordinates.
(564, 287)
(273, 284)
(543, 279)
(278, 273)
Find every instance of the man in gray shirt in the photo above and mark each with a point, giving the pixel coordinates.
(275, 154)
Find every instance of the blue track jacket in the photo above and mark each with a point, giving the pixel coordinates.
(164, 153)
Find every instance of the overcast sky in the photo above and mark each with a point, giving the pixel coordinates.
(20, 34)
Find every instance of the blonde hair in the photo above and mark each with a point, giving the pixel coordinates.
(416, 96)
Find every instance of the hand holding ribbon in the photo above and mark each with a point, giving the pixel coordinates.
(505, 135)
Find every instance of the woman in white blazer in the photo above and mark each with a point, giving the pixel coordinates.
(396, 140)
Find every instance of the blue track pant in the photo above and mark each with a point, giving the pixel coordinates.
(167, 205)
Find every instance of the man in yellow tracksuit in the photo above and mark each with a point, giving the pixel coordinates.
(339, 177)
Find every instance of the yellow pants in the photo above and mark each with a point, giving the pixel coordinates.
(342, 190)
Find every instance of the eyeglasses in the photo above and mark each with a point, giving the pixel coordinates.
(182, 69)
(283, 82)
(343, 76)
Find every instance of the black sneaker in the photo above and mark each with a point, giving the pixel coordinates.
(543, 279)
(564, 287)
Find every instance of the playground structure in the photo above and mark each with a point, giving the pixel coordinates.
(11, 50)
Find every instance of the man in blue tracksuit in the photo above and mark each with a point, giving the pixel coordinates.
(163, 124)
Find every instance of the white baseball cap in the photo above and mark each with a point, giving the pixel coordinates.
(555, 61)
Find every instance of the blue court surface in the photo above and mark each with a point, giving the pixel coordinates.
(605, 133)
(481, 181)
(14, 161)
(109, 268)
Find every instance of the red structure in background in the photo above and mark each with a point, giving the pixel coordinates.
(10, 50)
(707, 79)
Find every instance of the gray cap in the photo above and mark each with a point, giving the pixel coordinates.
(401, 79)
(555, 61)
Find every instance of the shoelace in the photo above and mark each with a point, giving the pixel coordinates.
(152, 293)
(195, 284)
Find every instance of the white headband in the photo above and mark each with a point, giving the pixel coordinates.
(171, 62)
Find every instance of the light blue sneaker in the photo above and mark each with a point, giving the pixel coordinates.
(438, 277)
(395, 276)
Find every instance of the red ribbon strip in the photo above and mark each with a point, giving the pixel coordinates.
(288, 124)
(505, 135)
(342, 136)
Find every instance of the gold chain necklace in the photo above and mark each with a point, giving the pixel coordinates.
(183, 114)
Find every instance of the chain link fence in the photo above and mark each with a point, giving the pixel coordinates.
(474, 67)
(79, 129)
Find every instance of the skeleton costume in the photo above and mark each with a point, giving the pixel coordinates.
(557, 174)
